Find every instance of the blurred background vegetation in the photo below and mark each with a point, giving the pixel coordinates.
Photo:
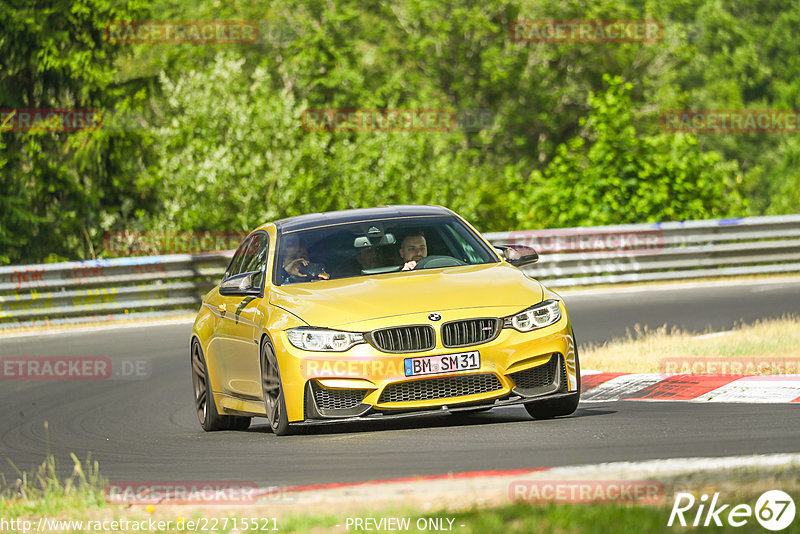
(217, 142)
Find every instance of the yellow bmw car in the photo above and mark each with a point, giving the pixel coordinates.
(378, 313)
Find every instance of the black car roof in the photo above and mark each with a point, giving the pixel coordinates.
(313, 220)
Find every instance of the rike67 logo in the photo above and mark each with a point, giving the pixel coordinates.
(774, 510)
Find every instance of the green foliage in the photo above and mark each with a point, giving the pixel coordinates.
(251, 159)
(10, 207)
(61, 188)
(227, 151)
(40, 491)
(742, 55)
(612, 175)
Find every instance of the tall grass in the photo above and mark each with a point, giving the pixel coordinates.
(643, 350)
(40, 491)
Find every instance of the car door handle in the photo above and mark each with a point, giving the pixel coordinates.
(221, 309)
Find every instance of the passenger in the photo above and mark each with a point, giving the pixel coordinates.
(369, 258)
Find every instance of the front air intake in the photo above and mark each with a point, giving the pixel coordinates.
(440, 388)
(415, 338)
(469, 332)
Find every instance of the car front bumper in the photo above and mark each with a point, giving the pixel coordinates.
(515, 368)
(546, 381)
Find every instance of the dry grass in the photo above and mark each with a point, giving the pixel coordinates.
(765, 347)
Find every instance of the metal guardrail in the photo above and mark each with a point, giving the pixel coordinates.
(98, 290)
(661, 251)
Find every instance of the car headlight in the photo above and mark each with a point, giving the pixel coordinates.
(320, 339)
(539, 316)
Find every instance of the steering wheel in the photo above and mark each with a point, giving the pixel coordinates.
(432, 262)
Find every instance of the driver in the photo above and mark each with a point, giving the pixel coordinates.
(412, 249)
(297, 267)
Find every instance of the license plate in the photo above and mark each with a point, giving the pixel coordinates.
(447, 363)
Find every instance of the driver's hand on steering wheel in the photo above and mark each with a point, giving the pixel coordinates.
(293, 267)
(409, 265)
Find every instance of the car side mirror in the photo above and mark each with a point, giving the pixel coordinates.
(518, 255)
(240, 285)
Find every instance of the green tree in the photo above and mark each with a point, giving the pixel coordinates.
(611, 175)
(740, 55)
(13, 212)
(228, 150)
(234, 163)
(61, 189)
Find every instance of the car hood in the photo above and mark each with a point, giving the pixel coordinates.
(334, 303)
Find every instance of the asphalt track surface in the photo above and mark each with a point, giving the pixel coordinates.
(146, 429)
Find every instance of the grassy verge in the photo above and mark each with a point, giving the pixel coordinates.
(81, 497)
(765, 347)
(40, 491)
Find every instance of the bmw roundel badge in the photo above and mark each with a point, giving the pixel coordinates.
(434, 317)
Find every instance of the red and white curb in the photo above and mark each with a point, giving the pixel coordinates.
(602, 387)
(487, 488)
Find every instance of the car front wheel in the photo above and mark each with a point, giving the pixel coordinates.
(273, 391)
(548, 409)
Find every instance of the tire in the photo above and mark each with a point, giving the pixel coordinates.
(272, 389)
(239, 422)
(548, 409)
(204, 403)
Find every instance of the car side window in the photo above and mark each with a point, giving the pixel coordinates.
(258, 260)
(235, 265)
(464, 250)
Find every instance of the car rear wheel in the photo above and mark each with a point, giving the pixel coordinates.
(273, 391)
(548, 409)
(204, 403)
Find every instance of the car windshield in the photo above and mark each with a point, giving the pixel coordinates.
(369, 248)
